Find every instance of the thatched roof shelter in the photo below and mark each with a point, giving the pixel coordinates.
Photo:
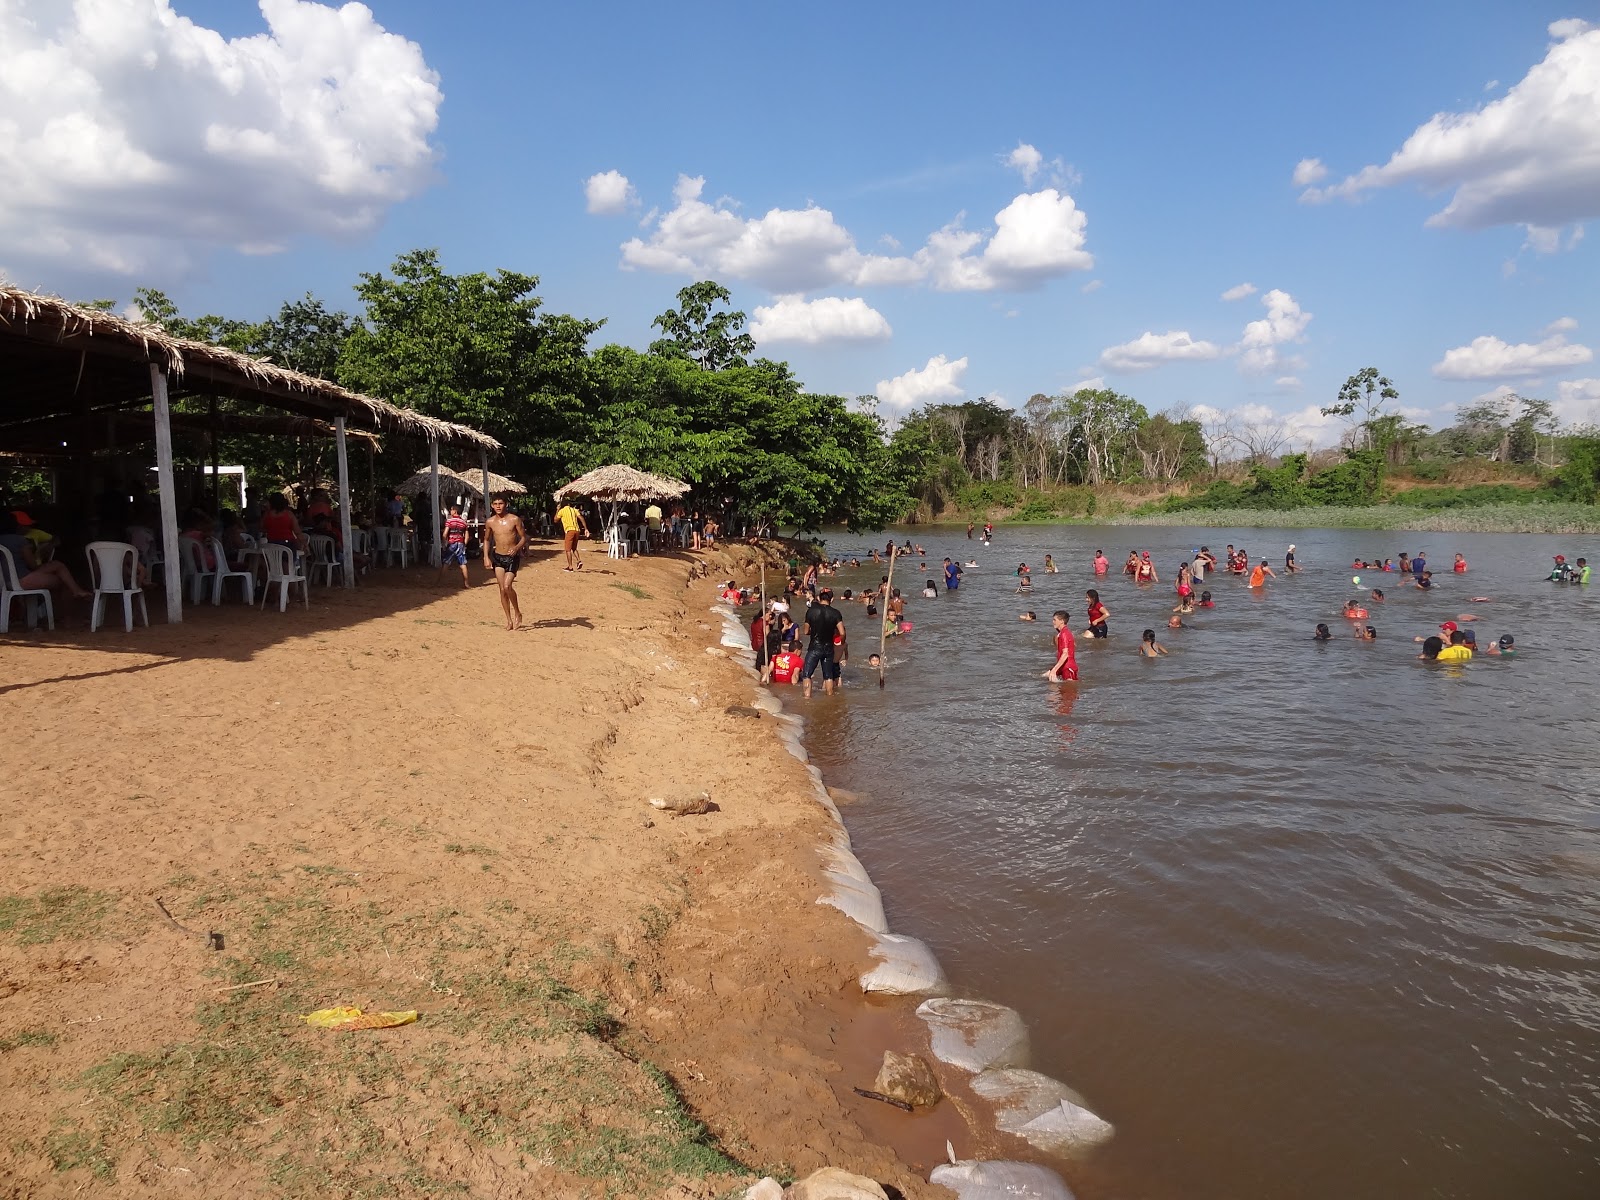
(60, 359)
(621, 482)
(60, 362)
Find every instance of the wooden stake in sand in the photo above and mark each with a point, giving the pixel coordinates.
(883, 633)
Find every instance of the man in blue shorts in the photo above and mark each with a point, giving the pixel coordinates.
(824, 626)
(952, 575)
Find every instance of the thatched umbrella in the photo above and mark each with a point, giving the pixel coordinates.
(619, 482)
(498, 484)
(422, 481)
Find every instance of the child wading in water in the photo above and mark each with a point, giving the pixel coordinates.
(1149, 647)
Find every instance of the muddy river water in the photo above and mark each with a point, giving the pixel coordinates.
(1302, 920)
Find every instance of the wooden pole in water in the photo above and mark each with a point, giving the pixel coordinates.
(883, 633)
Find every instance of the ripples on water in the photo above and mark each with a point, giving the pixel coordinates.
(1303, 920)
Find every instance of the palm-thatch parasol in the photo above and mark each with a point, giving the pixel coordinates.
(498, 484)
(422, 481)
(620, 482)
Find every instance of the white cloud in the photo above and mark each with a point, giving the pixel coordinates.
(1094, 285)
(1578, 401)
(1530, 157)
(1037, 237)
(1308, 171)
(1489, 357)
(1026, 160)
(813, 322)
(609, 193)
(1560, 325)
(1285, 322)
(132, 138)
(1287, 383)
(1239, 291)
(1152, 349)
(939, 380)
(1093, 384)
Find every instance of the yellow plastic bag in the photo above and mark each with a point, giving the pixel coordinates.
(346, 1018)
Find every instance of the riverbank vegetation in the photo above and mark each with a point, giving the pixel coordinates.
(761, 450)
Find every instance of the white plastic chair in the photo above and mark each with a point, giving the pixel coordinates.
(112, 573)
(325, 558)
(195, 573)
(280, 571)
(224, 573)
(11, 589)
(393, 543)
(361, 543)
(616, 547)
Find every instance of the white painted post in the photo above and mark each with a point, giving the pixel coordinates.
(483, 465)
(344, 506)
(433, 466)
(169, 496)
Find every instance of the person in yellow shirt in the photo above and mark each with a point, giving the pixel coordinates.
(571, 521)
(1457, 650)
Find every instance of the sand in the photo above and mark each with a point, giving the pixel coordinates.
(389, 801)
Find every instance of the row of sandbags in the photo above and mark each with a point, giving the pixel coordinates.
(988, 1041)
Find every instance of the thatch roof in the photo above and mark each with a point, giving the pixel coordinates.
(499, 485)
(421, 482)
(42, 383)
(621, 482)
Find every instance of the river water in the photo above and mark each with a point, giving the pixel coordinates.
(1302, 920)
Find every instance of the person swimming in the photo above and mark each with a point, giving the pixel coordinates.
(1431, 647)
(1148, 646)
(1354, 611)
(1366, 633)
(1377, 594)
(1323, 633)
(1030, 615)
(1506, 647)
(1206, 601)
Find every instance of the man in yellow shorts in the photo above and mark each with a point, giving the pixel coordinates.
(571, 521)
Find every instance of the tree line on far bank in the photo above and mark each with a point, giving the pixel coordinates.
(481, 349)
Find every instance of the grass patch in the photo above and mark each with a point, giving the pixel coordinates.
(1488, 518)
(633, 589)
(51, 913)
(27, 1037)
(69, 1147)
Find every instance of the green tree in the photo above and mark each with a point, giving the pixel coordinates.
(1361, 401)
(694, 330)
(476, 349)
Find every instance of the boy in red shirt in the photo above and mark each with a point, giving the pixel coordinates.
(786, 667)
(1065, 669)
(455, 545)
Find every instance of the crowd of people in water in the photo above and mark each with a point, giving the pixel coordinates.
(807, 610)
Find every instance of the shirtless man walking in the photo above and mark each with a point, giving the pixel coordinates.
(503, 542)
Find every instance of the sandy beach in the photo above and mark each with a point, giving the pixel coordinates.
(391, 802)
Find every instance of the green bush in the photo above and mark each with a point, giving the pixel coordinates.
(980, 497)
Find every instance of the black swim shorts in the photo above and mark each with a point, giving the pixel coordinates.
(506, 562)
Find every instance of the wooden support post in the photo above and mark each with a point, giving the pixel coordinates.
(172, 565)
(883, 634)
(344, 505)
(433, 466)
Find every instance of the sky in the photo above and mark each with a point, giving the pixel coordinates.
(1219, 209)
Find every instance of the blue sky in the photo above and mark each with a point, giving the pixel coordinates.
(920, 202)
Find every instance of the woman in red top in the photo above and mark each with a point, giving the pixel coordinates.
(280, 526)
(1098, 615)
(1146, 572)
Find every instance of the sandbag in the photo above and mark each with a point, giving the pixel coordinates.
(904, 967)
(837, 862)
(1044, 1112)
(974, 1034)
(974, 1180)
(861, 902)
